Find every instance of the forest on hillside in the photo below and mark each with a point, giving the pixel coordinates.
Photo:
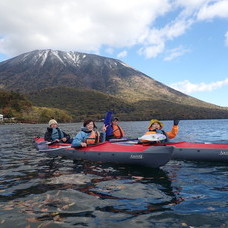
(15, 107)
(74, 105)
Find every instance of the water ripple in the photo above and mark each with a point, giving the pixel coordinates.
(37, 191)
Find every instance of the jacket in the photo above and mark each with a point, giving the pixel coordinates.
(84, 136)
(48, 136)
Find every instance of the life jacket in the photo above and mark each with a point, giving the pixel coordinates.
(93, 138)
(154, 132)
(56, 134)
(118, 132)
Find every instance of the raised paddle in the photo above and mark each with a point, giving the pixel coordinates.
(107, 123)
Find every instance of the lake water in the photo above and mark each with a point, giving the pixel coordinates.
(37, 191)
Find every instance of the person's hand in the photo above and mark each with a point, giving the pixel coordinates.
(83, 144)
(64, 139)
(104, 128)
(57, 140)
(176, 122)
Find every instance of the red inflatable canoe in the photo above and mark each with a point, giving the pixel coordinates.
(199, 151)
(150, 156)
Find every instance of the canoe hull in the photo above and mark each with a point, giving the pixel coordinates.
(200, 152)
(151, 156)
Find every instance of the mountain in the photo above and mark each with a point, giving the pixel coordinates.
(42, 74)
(42, 69)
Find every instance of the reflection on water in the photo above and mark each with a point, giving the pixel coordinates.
(137, 190)
(37, 191)
(85, 192)
(55, 193)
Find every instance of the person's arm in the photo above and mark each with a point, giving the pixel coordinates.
(79, 140)
(65, 136)
(109, 132)
(47, 136)
(102, 136)
(174, 131)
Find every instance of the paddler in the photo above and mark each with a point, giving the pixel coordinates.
(55, 134)
(88, 135)
(155, 126)
(116, 131)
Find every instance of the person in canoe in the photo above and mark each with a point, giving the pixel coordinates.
(115, 131)
(55, 134)
(89, 135)
(155, 126)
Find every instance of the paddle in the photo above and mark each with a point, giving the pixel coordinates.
(107, 123)
(52, 142)
(55, 141)
(89, 145)
(150, 138)
(122, 140)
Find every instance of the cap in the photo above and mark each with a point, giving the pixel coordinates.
(115, 118)
(52, 121)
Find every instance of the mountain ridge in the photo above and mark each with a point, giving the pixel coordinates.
(33, 72)
(41, 69)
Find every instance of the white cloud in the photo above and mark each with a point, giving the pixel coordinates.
(152, 51)
(191, 3)
(154, 42)
(109, 51)
(174, 53)
(189, 88)
(74, 24)
(226, 39)
(214, 9)
(176, 28)
(91, 25)
(122, 54)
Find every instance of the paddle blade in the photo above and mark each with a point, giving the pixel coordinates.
(153, 137)
(107, 123)
(108, 118)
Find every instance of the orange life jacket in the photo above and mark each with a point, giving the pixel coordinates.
(93, 138)
(150, 132)
(118, 132)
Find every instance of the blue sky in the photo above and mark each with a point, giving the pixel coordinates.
(181, 43)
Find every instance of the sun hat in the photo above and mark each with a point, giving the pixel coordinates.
(155, 121)
(52, 121)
